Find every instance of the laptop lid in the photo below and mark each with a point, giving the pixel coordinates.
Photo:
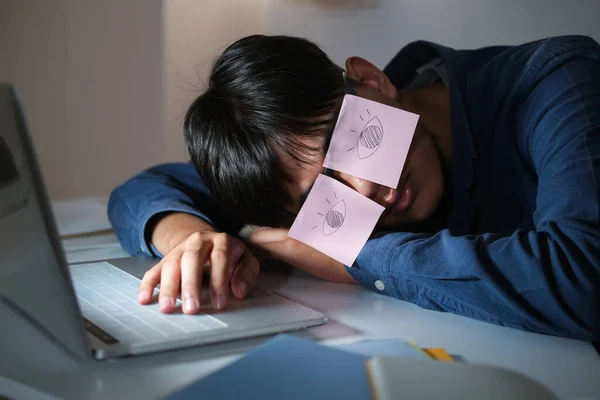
(34, 280)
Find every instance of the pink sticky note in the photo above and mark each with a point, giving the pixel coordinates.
(336, 220)
(371, 140)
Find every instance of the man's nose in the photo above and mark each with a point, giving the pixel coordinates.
(382, 195)
(366, 188)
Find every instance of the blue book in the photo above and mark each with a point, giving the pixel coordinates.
(286, 367)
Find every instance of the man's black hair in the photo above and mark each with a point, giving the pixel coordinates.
(265, 93)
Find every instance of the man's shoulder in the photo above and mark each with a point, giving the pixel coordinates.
(551, 47)
(540, 58)
(531, 56)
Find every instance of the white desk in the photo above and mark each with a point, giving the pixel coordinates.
(570, 368)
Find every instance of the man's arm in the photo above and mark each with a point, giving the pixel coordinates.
(545, 280)
(137, 206)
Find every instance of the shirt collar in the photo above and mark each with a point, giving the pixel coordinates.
(402, 70)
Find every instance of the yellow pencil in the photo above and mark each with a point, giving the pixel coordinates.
(414, 346)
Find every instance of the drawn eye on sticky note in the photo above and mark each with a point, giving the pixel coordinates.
(371, 140)
(333, 219)
(336, 220)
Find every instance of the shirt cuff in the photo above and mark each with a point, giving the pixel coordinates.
(147, 219)
(372, 266)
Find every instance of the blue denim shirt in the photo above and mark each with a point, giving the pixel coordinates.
(521, 245)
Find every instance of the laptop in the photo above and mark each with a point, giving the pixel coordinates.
(91, 309)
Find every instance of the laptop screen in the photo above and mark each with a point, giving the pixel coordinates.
(34, 280)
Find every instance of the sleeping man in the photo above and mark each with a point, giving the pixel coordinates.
(493, 210)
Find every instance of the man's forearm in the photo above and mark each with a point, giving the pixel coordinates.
(135, 207)
(542, 281)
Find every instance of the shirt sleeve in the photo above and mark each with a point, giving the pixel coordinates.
(545, 280)
(175, 187)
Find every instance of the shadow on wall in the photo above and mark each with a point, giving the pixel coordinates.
(337, 4)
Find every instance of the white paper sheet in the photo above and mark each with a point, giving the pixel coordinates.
(76, 217)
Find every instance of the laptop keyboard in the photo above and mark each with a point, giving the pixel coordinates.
(107, 298)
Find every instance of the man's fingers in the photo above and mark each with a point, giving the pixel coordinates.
(225, 254)
(149, 282)
(184, 265)
(245, 275)
(170, 278)
(192, 262)
(219, 273)
(268, 235)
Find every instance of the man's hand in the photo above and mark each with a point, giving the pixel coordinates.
(278, 245)
(193, 247)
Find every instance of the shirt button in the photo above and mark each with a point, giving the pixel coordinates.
(379, 285)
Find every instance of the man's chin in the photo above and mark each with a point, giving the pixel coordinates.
(389, 223)
(407, 222)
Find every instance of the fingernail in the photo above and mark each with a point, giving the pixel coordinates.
(220, 302)
(244, 288)
(190, 304)
(166, 303)
(143, 297)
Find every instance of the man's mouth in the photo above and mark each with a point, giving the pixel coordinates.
(404, 195)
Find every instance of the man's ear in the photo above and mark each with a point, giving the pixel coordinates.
(363, 71)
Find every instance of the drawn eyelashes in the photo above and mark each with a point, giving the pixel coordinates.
(370, 137)
(334, 218)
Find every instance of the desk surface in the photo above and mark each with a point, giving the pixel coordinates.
(570, 368)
